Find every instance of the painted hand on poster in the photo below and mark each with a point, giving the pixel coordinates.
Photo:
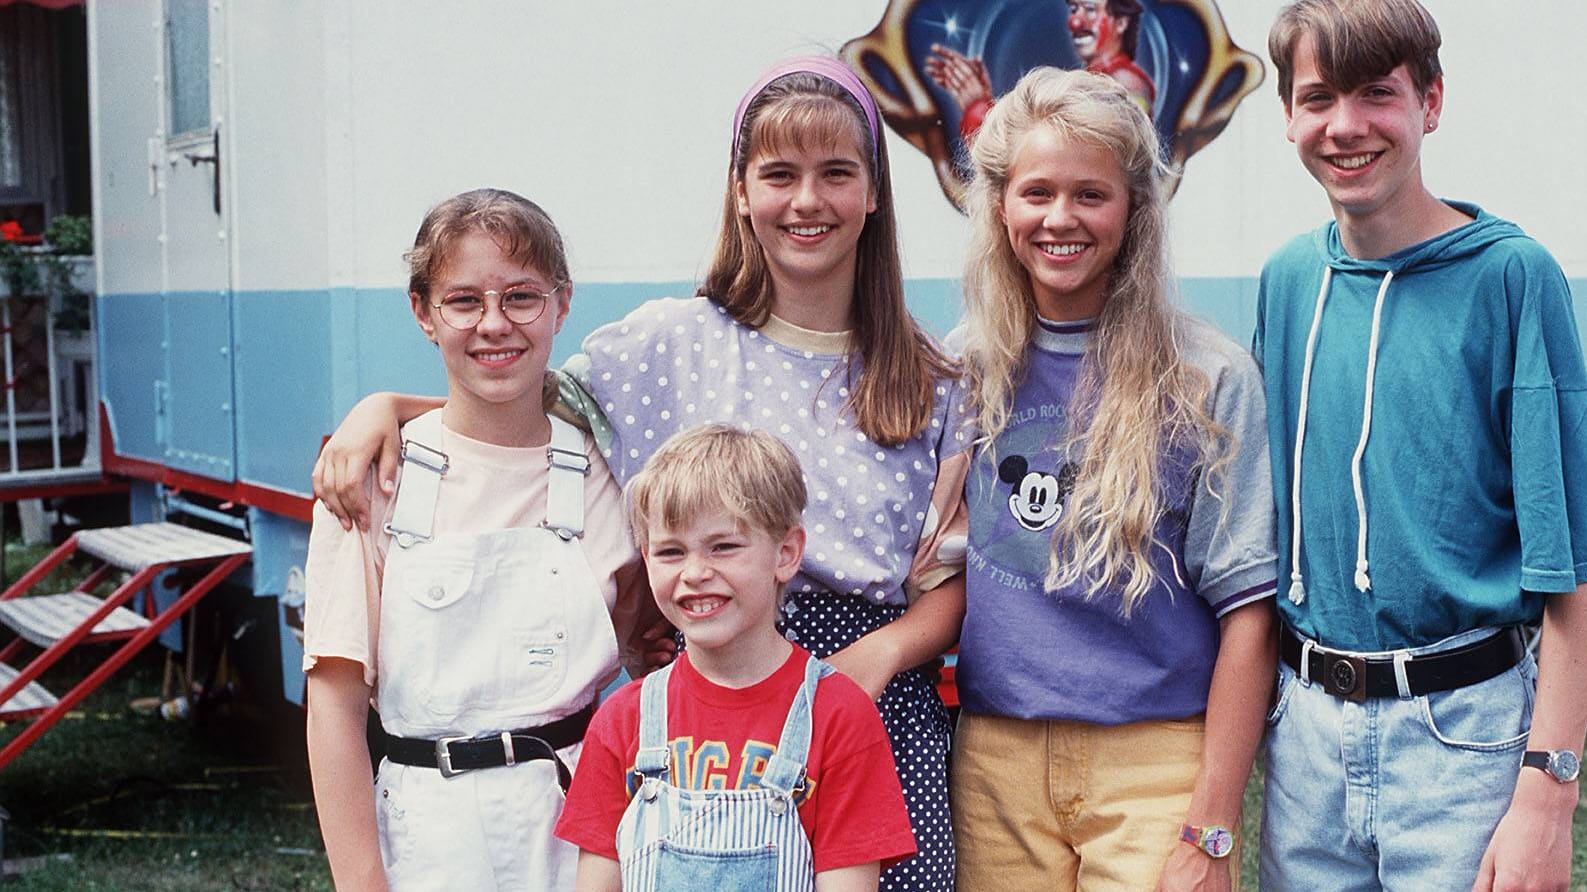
(1104, 35)
(965, 80)
(936, 66)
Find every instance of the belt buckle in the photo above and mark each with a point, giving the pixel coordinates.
(443, 756)
(1345, 676)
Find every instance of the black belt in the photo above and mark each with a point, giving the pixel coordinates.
(1352, 677)
(455, 755)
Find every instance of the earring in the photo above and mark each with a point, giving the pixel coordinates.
(1429, 126)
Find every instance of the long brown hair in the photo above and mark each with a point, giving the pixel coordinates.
(901, 365)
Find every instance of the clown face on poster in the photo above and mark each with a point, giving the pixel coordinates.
(937, 66)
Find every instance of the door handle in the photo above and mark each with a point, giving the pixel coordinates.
(195, 159)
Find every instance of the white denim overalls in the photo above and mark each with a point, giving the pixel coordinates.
(676, 840)
(482, 633)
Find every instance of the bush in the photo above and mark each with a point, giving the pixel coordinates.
(51, 271)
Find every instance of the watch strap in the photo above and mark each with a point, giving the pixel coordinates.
(1552, 763)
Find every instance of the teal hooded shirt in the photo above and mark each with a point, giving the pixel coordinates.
(1451, 492)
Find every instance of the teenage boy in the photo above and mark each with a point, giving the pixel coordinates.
(747, 763)
(1428, 421)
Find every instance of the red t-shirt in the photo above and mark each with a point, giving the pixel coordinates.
(852, 811)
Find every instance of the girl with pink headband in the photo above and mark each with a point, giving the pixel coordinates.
(799, 328)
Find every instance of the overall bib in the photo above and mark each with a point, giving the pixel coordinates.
(676, 840)
(480, 633)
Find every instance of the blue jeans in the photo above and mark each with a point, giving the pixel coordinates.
(1390, 793)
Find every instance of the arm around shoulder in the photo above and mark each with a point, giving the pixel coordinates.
(368, 435)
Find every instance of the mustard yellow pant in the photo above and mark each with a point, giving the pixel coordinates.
(1066, 805)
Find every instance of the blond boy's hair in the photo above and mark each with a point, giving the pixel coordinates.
(1356, 41)
(751, 475)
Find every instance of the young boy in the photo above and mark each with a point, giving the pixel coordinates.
(1428, 420)
(746, 763)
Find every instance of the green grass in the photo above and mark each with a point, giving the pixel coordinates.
(142, 803)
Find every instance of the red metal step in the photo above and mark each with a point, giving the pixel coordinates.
(60, 622)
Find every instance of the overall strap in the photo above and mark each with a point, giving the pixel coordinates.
(654, 758)
(565, 481)
(785, 771)
(419, 485)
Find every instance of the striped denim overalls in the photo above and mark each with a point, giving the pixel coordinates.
(676, 840)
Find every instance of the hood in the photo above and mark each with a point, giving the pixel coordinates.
(1441, 250)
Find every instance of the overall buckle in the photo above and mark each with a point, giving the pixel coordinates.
(568, 460)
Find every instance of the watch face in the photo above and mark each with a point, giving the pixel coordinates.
(1564, 766)
(1219, 842)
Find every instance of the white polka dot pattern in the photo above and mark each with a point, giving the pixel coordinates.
(749, 380)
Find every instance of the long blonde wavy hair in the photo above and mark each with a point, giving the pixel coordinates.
(1137, 398)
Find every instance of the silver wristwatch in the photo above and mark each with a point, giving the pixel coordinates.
(1562, 765)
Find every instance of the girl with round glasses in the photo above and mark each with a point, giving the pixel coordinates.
(481, 612)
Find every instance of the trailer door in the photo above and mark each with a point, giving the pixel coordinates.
(195, 407)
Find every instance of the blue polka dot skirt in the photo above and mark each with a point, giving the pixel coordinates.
(916, 721)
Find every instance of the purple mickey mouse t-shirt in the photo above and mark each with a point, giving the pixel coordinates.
(1030, 653)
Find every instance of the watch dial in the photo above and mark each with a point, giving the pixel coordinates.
(1219, 843)
(1564, 766)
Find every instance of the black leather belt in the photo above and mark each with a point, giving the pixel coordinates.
(455, 755)
(1349, 676)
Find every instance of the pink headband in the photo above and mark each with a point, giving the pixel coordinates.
(826, 67)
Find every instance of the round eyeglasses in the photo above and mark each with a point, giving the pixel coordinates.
(521, 305)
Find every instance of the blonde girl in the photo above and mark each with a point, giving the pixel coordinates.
(800, 329)
(1117, 651)
(481, 613)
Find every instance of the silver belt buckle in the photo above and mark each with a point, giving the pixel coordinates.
(443, 756)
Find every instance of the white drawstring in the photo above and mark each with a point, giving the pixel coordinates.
(1364, 581)
(1297, 587)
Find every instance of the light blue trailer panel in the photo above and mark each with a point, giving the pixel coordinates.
(132, 375)
(198, 405)
(285, 351)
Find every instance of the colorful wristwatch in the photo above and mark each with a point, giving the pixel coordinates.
(1216, 841)
(1561, 765)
